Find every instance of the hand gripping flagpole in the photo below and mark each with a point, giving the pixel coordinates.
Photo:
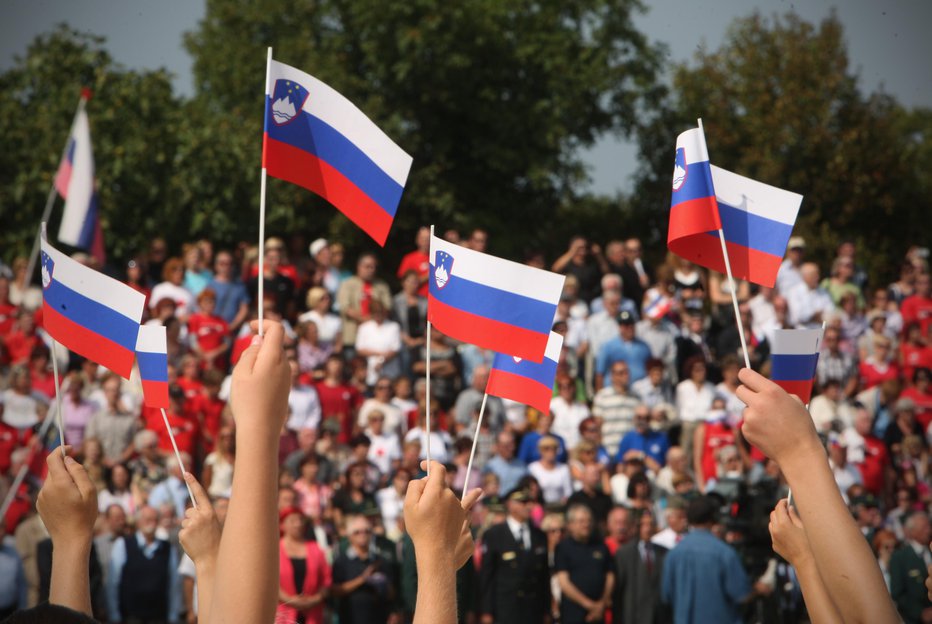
(171, 436)
(731, 284)
(475, 443)
(261, 302)
(53, 193)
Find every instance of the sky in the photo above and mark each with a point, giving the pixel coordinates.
(889, 47)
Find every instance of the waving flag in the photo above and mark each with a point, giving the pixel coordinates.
(490, 302)
(794, 355)
(525, 381)
(152, 357)
(316, 138)
(74, 181)
(92, 314)
(693, 209)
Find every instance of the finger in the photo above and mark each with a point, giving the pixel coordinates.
(270, 351)
(80, 477)
(471, 498)
(414, 493)
(437, 479)
(754, 380)
(200, 494)
(56, 463)
(794, 517)
(746, 395)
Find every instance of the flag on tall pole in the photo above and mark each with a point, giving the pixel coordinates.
(76, 183)
(490, 302)
(92, 314)
(316, 138)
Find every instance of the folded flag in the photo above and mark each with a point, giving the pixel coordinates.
(693, 209)
(317, 139)
(490, 302)
(74, 181)
(757, 220)
(92, 314)
(152, 357)
(794, 355)
(525, 381)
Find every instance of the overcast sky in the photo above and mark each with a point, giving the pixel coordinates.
(889, 46)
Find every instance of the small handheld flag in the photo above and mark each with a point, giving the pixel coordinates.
(92, 314)
(491, 302)
(318, 139)
(525, 381)
(152, 357)
(693, 209)
(794, 356)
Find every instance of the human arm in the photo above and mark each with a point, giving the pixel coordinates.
(249, 541)
(200, 537)
(434, 519)
(605, 602)
(573, 593)
(560, 263)
(790, 542)
(779, 425)
(67, 505)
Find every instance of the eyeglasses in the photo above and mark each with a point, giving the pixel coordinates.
(361, 532)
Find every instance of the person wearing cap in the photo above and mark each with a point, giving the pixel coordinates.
(418, 260)
(625, 347)
(788, 275)
(304, 575)
(320, 251)
(514, 577)
(232, 297)
(660, 335)
(909, 566)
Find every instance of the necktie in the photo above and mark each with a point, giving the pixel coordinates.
(521, 538)
(648, 559)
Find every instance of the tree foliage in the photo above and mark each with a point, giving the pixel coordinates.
(780, 104)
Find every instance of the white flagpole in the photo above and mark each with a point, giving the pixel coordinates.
(50, 201)
(475, 443)
(261, 297)
(427, 392)
(171, 436)
(731, 283)
(61, 426)
(789, 492)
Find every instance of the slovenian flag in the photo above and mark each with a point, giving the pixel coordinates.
(525, 381)
(316, 138)
(693, 208)
(757, 220)
(74, 181)
(152, 357)
(794, 356)
(490, 302)
(92, 314)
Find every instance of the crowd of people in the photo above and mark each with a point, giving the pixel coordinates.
(596, 511)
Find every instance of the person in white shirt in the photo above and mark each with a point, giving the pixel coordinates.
(554, 478)
(381, 401)
(172, 288)
(567, 412)
(379, 341)
(384, 450)
(303, 403)
(809, 303)
(391, 502)
(788, 276)
(694, 396)
(440, 441)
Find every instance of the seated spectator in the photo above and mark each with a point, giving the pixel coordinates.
(674, 466)
(329, 325)
(312, 353)
(920, 393)
(378, 339)
(466, 408)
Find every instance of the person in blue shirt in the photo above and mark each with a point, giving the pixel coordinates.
(528, 451)
(703, 579)
(508, 468)
(12, 577)
(625, 348)
(651, 446)
(232, 297)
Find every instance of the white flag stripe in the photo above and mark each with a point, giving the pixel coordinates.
(81, 184)
(755, 197)
(554, 346)
(694, 143)
(93, 285)
(796, 341)
(500, 273)
(152, 339)
(331, 107)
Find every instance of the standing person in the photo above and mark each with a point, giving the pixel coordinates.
(625, 347)
(322, 252)
(379, 341)
(568, 411)
(171, 287)
(410, 310)
(638, 571)
(362, 578)
(635, 275)
(503, 464)
(694, 397)
(329, 325)
(304, 575)
(232, 298)
(355, 295)
(418, 261)
(918, 307)
(703, 579)
(552, 475)
(576, 262)
(338, 399)
(592, 496)
(514, 578)
(208, 333)
(908, 571)
(143, 575)
(277, 287)
(584, 570)
(614, 406)
(113, 424)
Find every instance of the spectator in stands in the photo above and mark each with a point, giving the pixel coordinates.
(232, 298)
(917, 308)
(788, 277)
(578, 262)
(909, 569)
(339, 401)
(585, 570)
(357, 293)
(379, 341)
(304, 574)
(638, 572)
(591, 495)
(529, 452)
(218, 465)
(552, 475)
(209, 333)
(173, 489)
(395, 420)
(277, 288)
(409, 308)
(172, 287)
(504, 464)
(567, 410)
(694, 397)
(867, 453)
(113, 424)
(644, 443)
(363, 580)
(329, 325)
(417, 262)
(879, 366)
(836, 364)
(625, 347)
(809, 303)
(614, 406)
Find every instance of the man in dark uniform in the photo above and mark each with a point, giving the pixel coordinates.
(514, 579)
(585, 570)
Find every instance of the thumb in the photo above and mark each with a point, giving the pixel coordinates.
(794, 517)
(200, 495)
(248, 358)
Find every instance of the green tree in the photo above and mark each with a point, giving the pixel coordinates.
(493, 99)
(133, 117)
(780, 104)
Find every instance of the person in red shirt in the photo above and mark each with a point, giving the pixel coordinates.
(868, 453)
(190, 378)
(918, 307)
(710, 436)
(42, 378)
(207, 408)
(7, 309)
(418, 260)
(209, 333)
(21, 341)
(915, 352)
(339, 401)
(921, 394)
(878, 367)
(183, 425)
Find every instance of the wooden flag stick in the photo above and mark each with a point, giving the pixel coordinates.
(262, 184)
(171, 436)
(475, 443)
